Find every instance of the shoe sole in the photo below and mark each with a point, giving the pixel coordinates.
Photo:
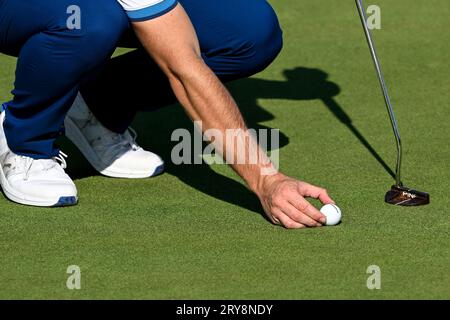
(74, 134)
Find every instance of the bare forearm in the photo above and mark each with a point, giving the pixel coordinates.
(207, 100)
(199, 90)
(204, 97)
(173, 44)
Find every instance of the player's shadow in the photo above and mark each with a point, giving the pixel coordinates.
(155, 130)
(301, 84)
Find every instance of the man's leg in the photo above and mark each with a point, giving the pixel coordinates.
(237, 38)
(52, 61)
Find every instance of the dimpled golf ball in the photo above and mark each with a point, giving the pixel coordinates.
(332, 213)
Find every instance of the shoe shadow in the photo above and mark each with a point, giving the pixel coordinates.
(155, 130)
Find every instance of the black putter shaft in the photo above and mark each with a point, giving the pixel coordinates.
(384, 89)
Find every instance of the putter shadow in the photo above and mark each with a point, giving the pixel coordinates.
(155, 130)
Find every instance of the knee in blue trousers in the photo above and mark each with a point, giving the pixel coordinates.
(237, 39)
(52, 61)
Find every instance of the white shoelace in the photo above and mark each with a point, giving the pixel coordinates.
(132, 139)
(61, 159)
(112, 144)
(23, 164)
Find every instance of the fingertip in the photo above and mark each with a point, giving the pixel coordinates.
(319, 216)
(327, 200)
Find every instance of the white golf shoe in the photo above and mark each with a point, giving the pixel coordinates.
(111, 154)
(34, 182)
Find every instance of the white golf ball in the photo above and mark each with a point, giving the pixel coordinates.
(332, 213)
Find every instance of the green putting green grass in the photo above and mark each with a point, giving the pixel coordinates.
(195, 232)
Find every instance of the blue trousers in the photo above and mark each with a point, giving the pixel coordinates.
(238, 38)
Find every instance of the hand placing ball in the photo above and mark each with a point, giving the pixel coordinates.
(332, 213)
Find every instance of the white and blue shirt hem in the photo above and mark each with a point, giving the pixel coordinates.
(152, 11)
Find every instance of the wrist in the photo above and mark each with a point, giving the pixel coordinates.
(263, 181)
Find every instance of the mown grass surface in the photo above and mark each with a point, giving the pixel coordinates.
(197, 233)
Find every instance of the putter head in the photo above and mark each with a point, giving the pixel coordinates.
(402, 196)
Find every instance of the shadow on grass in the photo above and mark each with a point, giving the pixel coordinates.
(155, 130)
